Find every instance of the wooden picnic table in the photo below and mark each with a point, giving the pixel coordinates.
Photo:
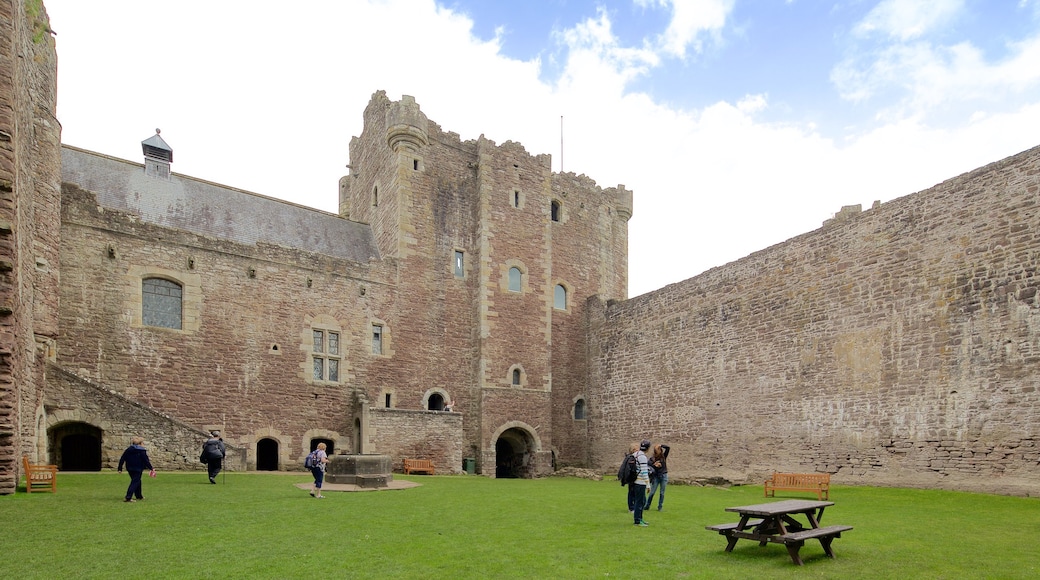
(775, 522)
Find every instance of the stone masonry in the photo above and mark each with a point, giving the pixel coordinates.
(895, 346)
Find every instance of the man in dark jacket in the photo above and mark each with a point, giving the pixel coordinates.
(213, 452)
(136, 460)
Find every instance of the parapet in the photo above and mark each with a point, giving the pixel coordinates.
(406, 125)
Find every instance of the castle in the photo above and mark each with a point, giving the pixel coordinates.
(894, 346)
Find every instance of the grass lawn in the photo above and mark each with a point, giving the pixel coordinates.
(261, 526)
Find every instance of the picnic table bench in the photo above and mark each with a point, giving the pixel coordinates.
(40, 477)
(774, 523)
(418, 466)
(818, 483)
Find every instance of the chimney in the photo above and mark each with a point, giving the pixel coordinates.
(157, 156)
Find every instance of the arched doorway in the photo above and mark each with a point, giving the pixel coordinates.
(76, 446)
(436, 402)
(267, 455)
(513, 454)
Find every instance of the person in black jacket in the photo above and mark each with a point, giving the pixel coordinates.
(659, 461)
(136, 460)
(213, 452)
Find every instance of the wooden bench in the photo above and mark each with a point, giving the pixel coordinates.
(818, 483)
(40, 477)
(795, 540)
(418, 466)
(723, 528)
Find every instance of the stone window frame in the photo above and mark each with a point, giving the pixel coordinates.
(191, 296)
(516, 198)
(556, 211)
(324, 323)
(458, 263)
(388, 398)
(384, 338)
(584, 405)
(524, 277)
(512, 374)
(158, 296)
(566, 297)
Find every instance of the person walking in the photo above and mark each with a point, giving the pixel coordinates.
(136, 460)
(637, 490)
(318, 470)
(213, 453)
(659, 461)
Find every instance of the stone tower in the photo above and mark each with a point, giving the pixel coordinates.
(30, 207)
(496, 257)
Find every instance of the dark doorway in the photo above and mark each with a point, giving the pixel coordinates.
(357, 436)
(267, 455)
(330, 447)
(513, 454)
(76, 447)
(436, 402)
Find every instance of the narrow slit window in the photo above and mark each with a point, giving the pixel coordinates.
(460, 270)
(516, 199)
(516, 376)
(377, 339)
(554, 211)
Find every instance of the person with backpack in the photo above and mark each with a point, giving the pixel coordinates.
(213, 452)
(637, 490)
(316, 462)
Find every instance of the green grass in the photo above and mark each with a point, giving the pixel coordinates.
(262, 526)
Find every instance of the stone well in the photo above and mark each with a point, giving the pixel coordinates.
(368, 471)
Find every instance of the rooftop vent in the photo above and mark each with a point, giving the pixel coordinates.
(157, 156)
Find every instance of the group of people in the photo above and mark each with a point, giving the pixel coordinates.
(136, 460)
(652, 473)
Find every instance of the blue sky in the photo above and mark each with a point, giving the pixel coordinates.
(738, 124)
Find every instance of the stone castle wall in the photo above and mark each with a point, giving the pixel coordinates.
(29, 208)
(897, 346)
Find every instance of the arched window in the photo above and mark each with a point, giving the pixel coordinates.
(161, 303)
(516, 376)
(515, 278)
(560, 297)
(554, 210)
(579, 409)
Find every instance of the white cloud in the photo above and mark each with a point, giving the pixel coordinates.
(691, 18)
(908, 19)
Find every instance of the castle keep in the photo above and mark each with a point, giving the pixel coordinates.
(894, 346)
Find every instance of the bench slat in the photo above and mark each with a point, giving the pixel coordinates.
(732, 526)
(816, 533)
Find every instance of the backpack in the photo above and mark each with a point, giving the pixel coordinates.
(211, 452)
(629, 470)
(312, 460)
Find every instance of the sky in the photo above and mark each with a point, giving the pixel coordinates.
(738, 124)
